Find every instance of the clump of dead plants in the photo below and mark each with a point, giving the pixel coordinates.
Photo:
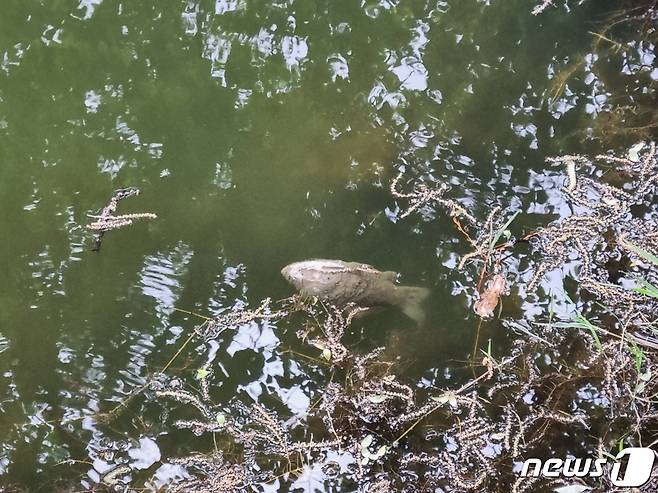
(611, 238)
(612, 233)
(398, 437)
(489, 239)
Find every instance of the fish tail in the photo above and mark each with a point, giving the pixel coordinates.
(410, 300)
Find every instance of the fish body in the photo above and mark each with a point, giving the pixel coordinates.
(340, 282)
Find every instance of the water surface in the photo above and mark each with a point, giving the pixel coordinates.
(260, 133)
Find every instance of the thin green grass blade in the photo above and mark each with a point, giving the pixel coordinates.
(646, 288)
(648, 256)
(502, 229)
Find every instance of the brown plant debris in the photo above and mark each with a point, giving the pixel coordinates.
(462, 439)
(107, 220)
(422, 195)
(214, 475)
(610, 224)
(489, 298)
(235, 318)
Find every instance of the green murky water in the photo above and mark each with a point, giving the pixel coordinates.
(260, 133)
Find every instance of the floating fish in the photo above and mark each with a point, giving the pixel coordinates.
(340, 282)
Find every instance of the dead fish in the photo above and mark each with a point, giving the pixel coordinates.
(488, 301)
(340, 282)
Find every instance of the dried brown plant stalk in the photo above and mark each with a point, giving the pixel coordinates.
(422, 195)
(107, 220)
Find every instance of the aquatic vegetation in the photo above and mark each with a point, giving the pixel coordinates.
(461, 438)
(609, 226)
(483, 236)
(423, 195)
(232, 319)
(606, 226)
(331, 333)
(626, 37)
(217, 475)
(351, 415)
(612, 234)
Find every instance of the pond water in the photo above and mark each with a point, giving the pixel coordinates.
(261, 133)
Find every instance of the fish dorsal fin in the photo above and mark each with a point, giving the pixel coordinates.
(389, 275)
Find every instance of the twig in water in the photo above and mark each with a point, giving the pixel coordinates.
(106, 220)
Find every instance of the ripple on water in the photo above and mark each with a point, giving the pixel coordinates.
(136, 370)
(160, 278)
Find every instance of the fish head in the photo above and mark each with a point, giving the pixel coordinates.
(312, 277)
(300, 273)
(296, 273)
